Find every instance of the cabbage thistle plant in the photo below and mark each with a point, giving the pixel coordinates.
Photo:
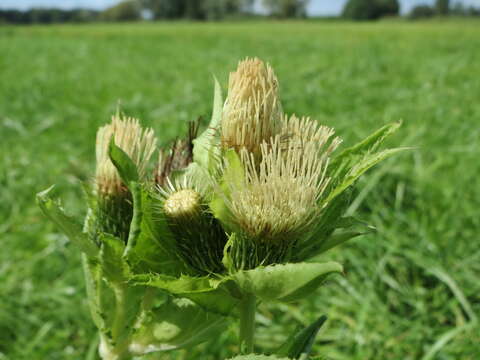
(235, 216)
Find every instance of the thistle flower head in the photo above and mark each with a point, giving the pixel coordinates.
(198, 235)
(252, 110)
(138, 143)
(280, 195)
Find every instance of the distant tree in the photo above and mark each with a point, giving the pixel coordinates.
(83, 15)
(421, 12)
(458, 9)
(370, 9)
(127, 10)
(286, 8)
(165, 9)
(442, 7)
(197, 9)
(219, 9)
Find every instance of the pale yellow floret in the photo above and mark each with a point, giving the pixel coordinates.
(280, 195)
(252, 110)
(138, 143)
(184, 203)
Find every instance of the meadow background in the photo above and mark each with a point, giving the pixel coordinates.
(411, 290)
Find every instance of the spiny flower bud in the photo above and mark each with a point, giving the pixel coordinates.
(138, 143)
(113, 212)
(252, 110)
(198, 235)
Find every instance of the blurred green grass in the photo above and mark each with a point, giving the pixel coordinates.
(411, 291)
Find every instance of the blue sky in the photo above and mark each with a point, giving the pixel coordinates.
(317, 7)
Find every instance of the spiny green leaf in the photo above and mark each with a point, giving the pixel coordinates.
(100, 296)
(301, 342)
(213, 295)
(285, 282)
(67, 224)
(360, 168)
(114, 266)
(206, 151)
(154, 249)
(347, 167)
(373, 141)
(177, 323)
(125, 166)
(345, 229)
(233, 174)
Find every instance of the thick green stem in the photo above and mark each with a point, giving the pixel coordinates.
(247, 323)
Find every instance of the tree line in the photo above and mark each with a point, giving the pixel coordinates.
(205, 10)
(134, 10)
(375, 9)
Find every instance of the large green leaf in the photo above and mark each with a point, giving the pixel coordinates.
(343, 171)
(125, 166)
(155, 248)
(359, 168)
(211, 294)
(114, 266)
(338, 232)
(206, 151)
(177, 323)
(233, 175)
(100, 296)
(353, 162)
(67, 224)
(301, 342)
(285, 282)
(127, 298)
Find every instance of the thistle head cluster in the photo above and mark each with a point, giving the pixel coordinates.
(252, 111)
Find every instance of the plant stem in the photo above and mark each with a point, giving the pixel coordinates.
(247, 323)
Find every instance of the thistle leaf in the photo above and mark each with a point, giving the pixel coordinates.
(114, 266)
(206, 151)
(344, 171)
(67, 224)
(340, 231)
(154, 248)
(177, 323)
(285, 282)
(100, 296)
(353, 162)
(125, 166)
(210, 294)
(301, 342)
(360, 167)
(233, 174)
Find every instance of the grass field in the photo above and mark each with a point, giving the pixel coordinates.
(411, 291)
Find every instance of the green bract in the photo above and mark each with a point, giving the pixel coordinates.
(230, 218)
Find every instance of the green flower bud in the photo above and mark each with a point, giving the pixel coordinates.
(198, 235)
